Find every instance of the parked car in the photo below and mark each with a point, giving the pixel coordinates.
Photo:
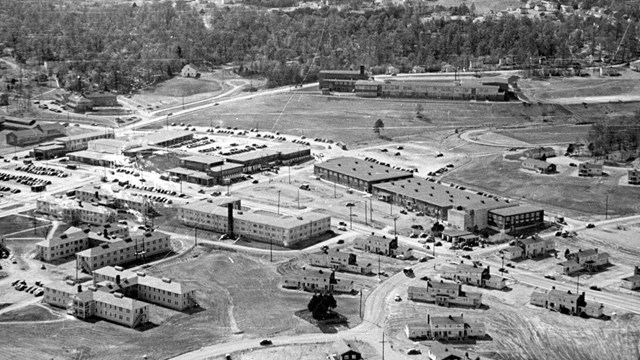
(590, 226)
(550, 277)
(266, 342)
(414, 352)
(342, 223)
(342, 228)
(595, 287)
(397, 298)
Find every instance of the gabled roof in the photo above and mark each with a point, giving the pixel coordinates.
(443, 285)
(344, 346)
(447, 320)
(163, 284)
(567, 295)
(536, 163)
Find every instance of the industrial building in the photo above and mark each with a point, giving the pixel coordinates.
(64, 145)
(36, 134)
(226, 218)
(164, 138)
(515, 218)
(429, 90)
(206, 170)
(341, 80)
(255, 161)
(356, 173)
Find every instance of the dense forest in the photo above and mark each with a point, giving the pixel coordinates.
(621, 134)
(122, 46)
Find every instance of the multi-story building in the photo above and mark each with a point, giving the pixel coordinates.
(341, 80)
(75, 211)
(283, 230)
(160, 291)
(323, 281)
(117, 199)
(531, 247)
(377, 244)
(113, 307)
(473, 275)
(60, 293)
(515, 218)
(567, 303)
(122, 251)
(164, 138)
(76, 239)
(589, 260)
(81, 142)
(446, 328)
(278, 155)
(356, 173)
(633, 176)
(444, 294)
(632, 282)
(339, 261)
(540, 153)
(589, 169)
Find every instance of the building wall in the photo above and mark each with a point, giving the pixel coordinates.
(515, 222)
(58, 298)
(118, 314)
(634, 177)
(165, 298)
(83, 143)
(63, 248)
(117, 256)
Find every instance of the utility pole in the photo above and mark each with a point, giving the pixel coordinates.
(271, 249)
(278, 202)
(289, 173)
(195, 236)
(395, 231)
(298, 198)
(382, 344)
(360, 311)
(378, 267)
(606, 208)
(391, 207)
(578, 285)
(334, 190)
(350, 220)
(365, 213)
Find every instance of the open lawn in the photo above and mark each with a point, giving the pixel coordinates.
(350, 119)
(22, 226)
(569, 195)
(28, 313)
(180, 86)
(548, 135)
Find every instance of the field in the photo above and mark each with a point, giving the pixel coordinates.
(28, 313)
(349, 119)
(20, 226)
(565, 194)
(576, 90)
(548, 135)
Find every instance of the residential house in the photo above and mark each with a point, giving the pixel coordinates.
(540, 153)
(445, 328)
(444, 294)
(439, 351)
(189, 70)
(633, 176)
(635, 65)
(377, 245)
(632, 282)
(589, 169)
(345, 350)
(339, 261)
(533, 246)
(539, 166)
(512, 252)
(323, 281)
(589, 260)
(472, 275)
(567, 302)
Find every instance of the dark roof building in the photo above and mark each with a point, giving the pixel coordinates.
(356, 173)
(515, 218)
(39, 133)
(539, 166)
(102, 98)
(164, 138)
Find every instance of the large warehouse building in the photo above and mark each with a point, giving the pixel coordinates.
(429, 90)
(356, 173)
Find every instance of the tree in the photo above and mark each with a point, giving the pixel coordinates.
(419, 110)
(566, 253)
(321, 305)
(437, 228)
(377, 126)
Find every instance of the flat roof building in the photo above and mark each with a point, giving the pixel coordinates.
(515, 218)
(95, 158)
(164, 138)
(81, 141)
(201, 162)
(357, 173)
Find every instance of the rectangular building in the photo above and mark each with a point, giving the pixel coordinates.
(445, 328)
(94, 158)
(444, 294)
(192, 176)
(356, 173)
(59, 294)
(473, 275)
(377, 245)
(339, 261)
(632, 282)
(323, 281)
(164, 138)
(567, 303)
(515, 218)
(589, 169)
(118, 199)
(113, 307)
(539, 166)
(633, 176)
(589, 260)
(201, 162)
(81, 142)
(284, 230)
(75, 211)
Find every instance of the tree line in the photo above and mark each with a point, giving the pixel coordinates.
(123, 47)
(622, 134)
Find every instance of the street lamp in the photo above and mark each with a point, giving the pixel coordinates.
(278, 202)
(350, 205)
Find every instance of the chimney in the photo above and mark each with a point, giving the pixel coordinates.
(230, 220)
(117, 279)
(361, 69)
(553, 288)
(596, 250)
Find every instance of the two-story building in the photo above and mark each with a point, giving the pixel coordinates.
(473, 275)
(339, 261)
(589, 169)
(589, 260)
(633, 176)
(445, 328)
(444, 294)
(632, 282)
(377, 244)
(566, 302)
(317, 280)
(531, 247)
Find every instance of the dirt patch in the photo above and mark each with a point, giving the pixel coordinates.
(27, 314)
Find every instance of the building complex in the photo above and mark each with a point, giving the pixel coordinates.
(446, 328)
(317, 281)
(473, 275)
(444, 294)
(528, 248)
(566, 302)
(339, 261)
(588, 260)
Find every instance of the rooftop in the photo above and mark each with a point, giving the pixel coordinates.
(204, 159)
(210, 204)
(438, 194)
(554, 293)
(81, 136)
(363, 170)
(163, 284)
(253, 156)
(516, 210)
(187, 172)
(271, 219)
(537, 163)
(162, 136)
(447, 320)
(94, 155)
(112, 299)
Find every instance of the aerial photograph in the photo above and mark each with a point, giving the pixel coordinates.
(319, 179)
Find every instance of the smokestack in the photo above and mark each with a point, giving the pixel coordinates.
(636, 270)
(230, 220)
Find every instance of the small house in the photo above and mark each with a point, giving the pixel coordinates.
(190, 70)
(539, 166)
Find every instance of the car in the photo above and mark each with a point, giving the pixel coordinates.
(595, 288)
(550, 277)
(342, 228)
(227, 357)
(438, 244)
(397, 298)
(94, 124)
(414, 352)
(340, 242)
(573, 164)
(266, 342)
(468, 257)
(342, 223)
(38, 292)
(384, 150)
(255, 181)
(590, 226)
(15, 282)
(403, 211)
(201, 191)
(423, 259)
(440, 155)
(503, 270)
(511, 265)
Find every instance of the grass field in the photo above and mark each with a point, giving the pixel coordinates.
(351, 119)
(548, 135)
(21, 226)
(180, 86)
(580, 196)
(28, 313)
